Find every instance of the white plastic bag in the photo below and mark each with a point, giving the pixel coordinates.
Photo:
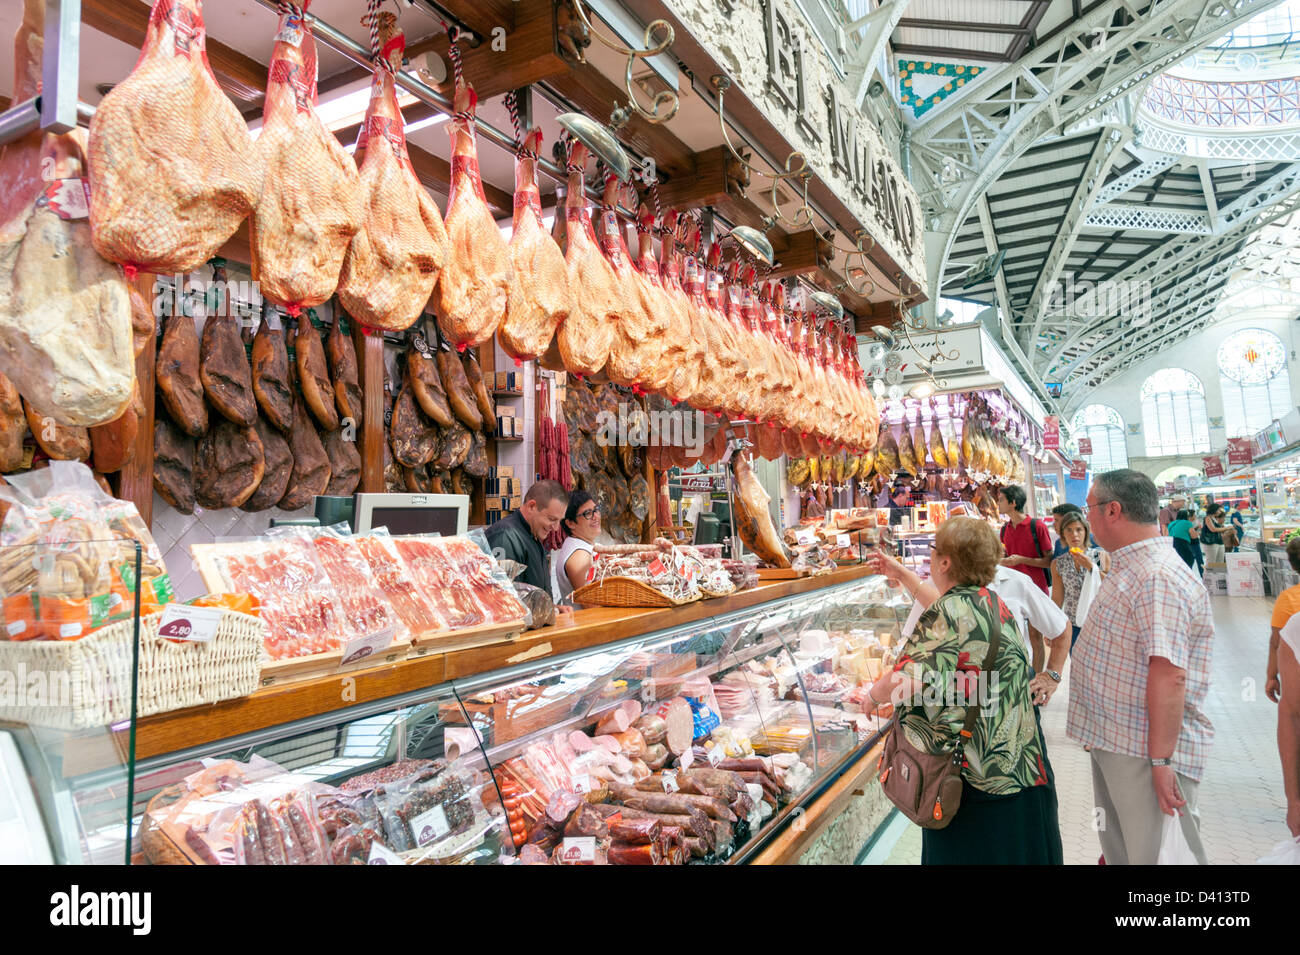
(1088, 592)
(1284, 853)
(1174, 849)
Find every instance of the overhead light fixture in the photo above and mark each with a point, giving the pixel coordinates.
(600, 139)
(755, 243)
(829, 303)
(884, 334)
(922, 389)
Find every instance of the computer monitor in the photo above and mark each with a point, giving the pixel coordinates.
(446, 514)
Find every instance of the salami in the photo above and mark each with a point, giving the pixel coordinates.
(623, 854)
(637, 831)
(672, 803)
(652, 728)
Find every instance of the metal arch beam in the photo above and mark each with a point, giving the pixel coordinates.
(1071, 84)
(1109, 145)
(1236, 222)
(1136, 177)
(1139, 218)
(1122, 362)
(991, 243)
(1207, 188)
(877, 26)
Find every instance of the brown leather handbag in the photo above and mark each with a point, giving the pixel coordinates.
(926, 787)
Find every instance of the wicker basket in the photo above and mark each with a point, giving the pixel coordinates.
(78, 684)
(626, 592)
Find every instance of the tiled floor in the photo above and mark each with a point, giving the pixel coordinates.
(1242, 803)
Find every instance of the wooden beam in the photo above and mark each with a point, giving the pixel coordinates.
(127, 20)
(529, 53)
(134, 482)
(800, 252)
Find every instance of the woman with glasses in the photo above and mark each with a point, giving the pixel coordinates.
(573, 564)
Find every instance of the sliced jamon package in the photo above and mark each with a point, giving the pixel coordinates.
(302, 610)
(411, 602)
(469, 587)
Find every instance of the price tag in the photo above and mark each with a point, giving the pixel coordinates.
(195, 624)
(69, 198)
(670, 781)
(430, 826)
(686, 759)
(804, 538)
(657, 568)
(843, 540)
(578, 849)
(582, 783)
(291, 32)
(380, 854)
(362, 647)
(717, 754)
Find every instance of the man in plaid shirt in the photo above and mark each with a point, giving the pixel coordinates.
(1140, 675)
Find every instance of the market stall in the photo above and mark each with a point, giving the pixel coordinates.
(321, 342)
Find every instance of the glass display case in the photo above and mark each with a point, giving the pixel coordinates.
(719, 730)
(1279, 499)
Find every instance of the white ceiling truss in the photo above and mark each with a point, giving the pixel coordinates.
(1051, 160)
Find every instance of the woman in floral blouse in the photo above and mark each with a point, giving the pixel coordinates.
(1008, 812)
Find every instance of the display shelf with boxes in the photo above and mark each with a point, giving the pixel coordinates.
(699, 742)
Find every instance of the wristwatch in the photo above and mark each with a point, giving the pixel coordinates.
(1054, 675)
(1162, 762)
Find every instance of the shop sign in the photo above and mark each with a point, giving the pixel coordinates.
(697, 482)
(1213, 465)
(786, 75)
(1240, 452)
(1078, 469)
(1052, 433)
(1085, 445)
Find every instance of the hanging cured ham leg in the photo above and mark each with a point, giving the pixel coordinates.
(393, 262)
(310, 207)
(586, 335)
(65, 313)
(472, 291)
(539, 290)
(635, 343)
(172, 166)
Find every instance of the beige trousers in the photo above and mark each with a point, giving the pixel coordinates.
(1127, 815)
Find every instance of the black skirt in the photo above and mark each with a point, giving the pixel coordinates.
(1016, 829)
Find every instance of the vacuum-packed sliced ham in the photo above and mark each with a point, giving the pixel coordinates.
(310, 207)
(393, 262)
(172, 167)
(363, 601)
(299, 605)
(472, 291)
(392, 578)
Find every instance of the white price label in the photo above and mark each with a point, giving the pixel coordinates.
(183, 622)
(686, 759)
(717, 754)
(430, 826)
(582, 783)
(578, 849)
(362, 647)
(69, 198)
(670, 781)
(804, 538)
(291, 32)
(380, 854)
(843, 540)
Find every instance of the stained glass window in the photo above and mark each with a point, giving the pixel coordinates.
(1173, 414)
(1254, 380)
(1104, 427)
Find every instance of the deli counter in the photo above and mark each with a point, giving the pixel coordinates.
(731, 725)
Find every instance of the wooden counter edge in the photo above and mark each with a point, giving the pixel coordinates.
(277, 705)
(786, 848)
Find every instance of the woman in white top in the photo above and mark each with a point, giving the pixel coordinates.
(571, 565)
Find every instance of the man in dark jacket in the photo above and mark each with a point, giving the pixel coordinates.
(518, 536)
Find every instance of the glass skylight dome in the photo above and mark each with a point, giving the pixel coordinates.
(1278, 25)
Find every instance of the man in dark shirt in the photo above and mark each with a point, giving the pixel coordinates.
(518, 536)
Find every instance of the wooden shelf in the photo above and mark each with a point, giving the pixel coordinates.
(507, 394)
(276, 705)
(499, 438)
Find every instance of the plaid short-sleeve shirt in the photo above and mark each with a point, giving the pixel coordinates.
(1150, 605)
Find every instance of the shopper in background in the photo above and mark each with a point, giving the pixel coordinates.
(1008, 812)
(1058, 522)
(899, 501)
(573, 565)
(1238, 527)
(518, 536)
(1283, 687)
(1029, 548)
(1184, 534)
(1212, 533)
(1139, 683)
(1169, 513)
(1080, 568)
